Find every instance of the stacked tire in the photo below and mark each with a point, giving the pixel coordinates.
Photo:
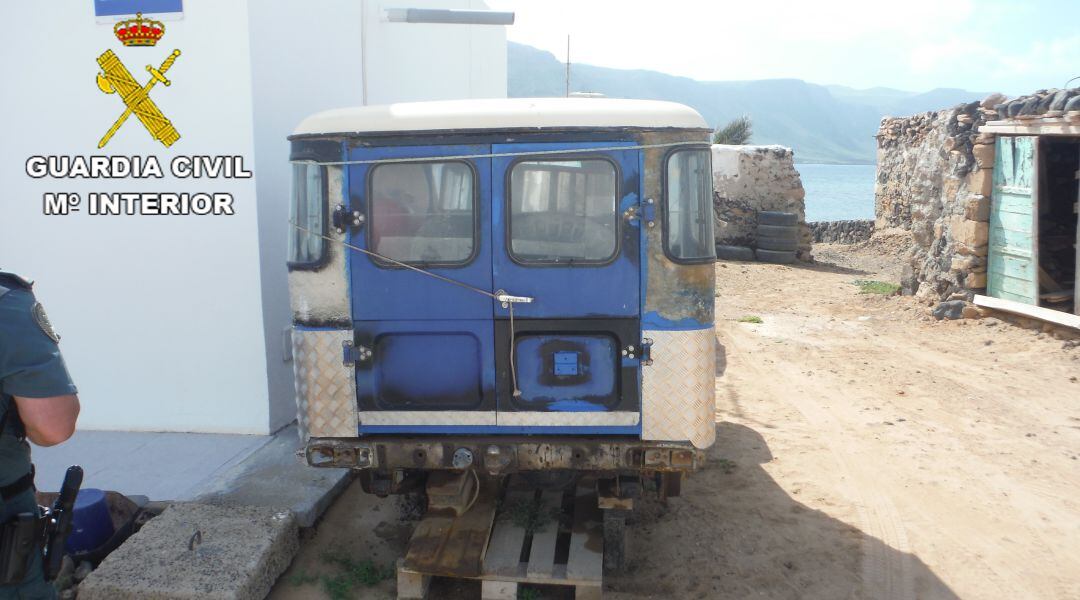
(777, 237)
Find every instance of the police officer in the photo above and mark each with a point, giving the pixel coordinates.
(37, 402)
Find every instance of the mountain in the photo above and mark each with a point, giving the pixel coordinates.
(898, 102)
(823, 124)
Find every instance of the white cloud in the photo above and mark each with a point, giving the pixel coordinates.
(917, 44)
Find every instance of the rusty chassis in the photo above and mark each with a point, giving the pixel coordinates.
(501, 455)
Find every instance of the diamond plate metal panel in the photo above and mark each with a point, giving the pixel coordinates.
(568, 419)
(679, 389)
(427, 417)
(325, 388)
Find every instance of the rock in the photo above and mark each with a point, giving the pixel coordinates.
(993, 100)
(841, 232)
(971, 312)
(68, 594)
(951, 309)
(1072, 104)
(1002, 111)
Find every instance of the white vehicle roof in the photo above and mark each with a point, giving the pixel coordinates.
(509, 113)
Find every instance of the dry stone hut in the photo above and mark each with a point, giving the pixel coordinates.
(989, 193)
(749, 179)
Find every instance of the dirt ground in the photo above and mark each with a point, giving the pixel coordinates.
(863, 450)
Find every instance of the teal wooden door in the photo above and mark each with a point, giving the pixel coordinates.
(1013, 270)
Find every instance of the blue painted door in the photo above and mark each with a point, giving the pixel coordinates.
(424, 347)
(1013, 262)
(562, 236)
(564, 239)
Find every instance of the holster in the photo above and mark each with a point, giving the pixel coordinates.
(20, 539)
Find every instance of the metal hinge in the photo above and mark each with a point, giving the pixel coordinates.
(646, 351)
(645, 211)
(350, 355)
(342, 218)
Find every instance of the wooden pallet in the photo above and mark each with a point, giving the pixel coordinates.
(566, 551)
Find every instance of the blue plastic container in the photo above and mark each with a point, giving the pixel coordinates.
(92, 525)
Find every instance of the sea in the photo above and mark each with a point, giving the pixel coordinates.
(838, 192)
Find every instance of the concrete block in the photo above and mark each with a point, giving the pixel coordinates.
(970, 233)
(198, 551)
(984, 156)
(981, 181)
(967, 263)
(975, 281)
(977, 207)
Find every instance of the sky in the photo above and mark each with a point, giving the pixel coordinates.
(916, 45)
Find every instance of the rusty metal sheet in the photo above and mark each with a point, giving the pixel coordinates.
(448, 545)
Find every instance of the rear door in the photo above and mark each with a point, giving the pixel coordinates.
(566, 233)
(1013, 264)
(424, 348)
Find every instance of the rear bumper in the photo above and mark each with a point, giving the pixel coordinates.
(503, 455)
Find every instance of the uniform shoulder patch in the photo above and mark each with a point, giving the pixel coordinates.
(42, 321)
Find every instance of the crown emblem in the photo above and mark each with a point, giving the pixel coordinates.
(139, 31)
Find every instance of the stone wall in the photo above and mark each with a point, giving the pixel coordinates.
(841, 232)
(748, 179)
(934, 178)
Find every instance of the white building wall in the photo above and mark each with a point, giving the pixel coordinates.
(411, 61)
(161, 317)
(176, 323)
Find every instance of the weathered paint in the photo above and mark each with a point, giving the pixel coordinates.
(1013, 269)
(674, 293)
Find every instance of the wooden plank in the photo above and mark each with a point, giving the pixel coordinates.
(1036, 312)
(588, 592)
(504, 550)
(1059, 127)
(542, 555)
(1057, 296)
(498, 590)
(411, 585)
(585, 563)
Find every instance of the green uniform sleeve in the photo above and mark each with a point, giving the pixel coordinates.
(30, 362)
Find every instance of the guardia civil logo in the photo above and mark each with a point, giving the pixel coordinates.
(115, 78)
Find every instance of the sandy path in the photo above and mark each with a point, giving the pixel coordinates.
(951, 447)
(864, 451)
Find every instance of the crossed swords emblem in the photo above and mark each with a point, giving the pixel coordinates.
(116, 79)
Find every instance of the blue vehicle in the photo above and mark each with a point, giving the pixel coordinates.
(504, 286)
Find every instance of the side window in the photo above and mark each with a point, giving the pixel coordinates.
(308, 210)
(563, 211)
(423, 213)
(688, 236)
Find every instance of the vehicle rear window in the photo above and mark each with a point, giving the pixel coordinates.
(563, 211)
(308, 210)
(688, 236)
(423, 213)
